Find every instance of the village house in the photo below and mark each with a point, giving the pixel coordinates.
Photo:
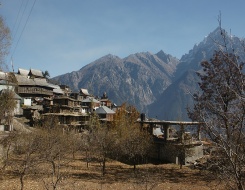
(105, 113)
(105, 101)
(84, 93)
(32, 84)
(37, 98)
(90, 104)
(173, 143)
(34, 89)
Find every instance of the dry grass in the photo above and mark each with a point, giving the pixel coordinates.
(118, 176)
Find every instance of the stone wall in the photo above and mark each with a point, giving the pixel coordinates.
(169, 152)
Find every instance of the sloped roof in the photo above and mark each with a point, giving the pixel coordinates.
(41, 82)
(36, 72)
(23, 80)
(56, 88)
(23, 72)
(3, 75)
(104, 110)
(16, 96)
(84, 91)
(91, 99)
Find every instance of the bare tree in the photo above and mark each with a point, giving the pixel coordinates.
(24, 156)
(7, 104)
(102, 139)
(221, 106)
(5, 39)
(133, 143)
(7, 143)
(55, 149)
(28, 153)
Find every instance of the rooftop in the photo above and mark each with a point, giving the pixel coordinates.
(104, 110)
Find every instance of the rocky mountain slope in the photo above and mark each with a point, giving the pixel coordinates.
(158, 84)
(178, 96)
(137, 79)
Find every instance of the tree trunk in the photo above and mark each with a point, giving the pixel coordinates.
(181, 165)
(53, 166)
(240, 185)
(87, 157)
(135, 162)
(103, 166)
(7, 157)
(21, 181)
(73, 154)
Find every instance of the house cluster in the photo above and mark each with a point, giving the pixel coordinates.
(36, 97)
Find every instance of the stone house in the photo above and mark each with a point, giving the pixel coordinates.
(105, 113)
(90, 104)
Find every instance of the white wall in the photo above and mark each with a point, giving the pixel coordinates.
(27, 101)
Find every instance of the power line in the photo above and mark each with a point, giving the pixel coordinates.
(18, 18)
(23, 28)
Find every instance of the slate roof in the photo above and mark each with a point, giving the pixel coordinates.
(3, 75)
(91, 99)
(36, 73)
(56, 88)
(104, 110)
(84, 91)
(23, 72)
(17, 97)
(24, 81)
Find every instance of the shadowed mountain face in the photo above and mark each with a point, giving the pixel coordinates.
(178, 96)
(157, 84)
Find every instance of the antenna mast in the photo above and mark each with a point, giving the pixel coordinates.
(12, 64)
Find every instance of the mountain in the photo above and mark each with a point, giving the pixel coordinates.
(206, 48)
(178, 96)
(173, 102)
(158, 84)
(137, 79)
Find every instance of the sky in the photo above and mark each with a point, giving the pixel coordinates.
(62, 36)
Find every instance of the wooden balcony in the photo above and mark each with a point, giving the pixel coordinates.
(34, 91)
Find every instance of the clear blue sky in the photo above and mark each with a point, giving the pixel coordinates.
(62, 36)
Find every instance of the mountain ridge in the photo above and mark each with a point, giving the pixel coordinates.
(151, 82)
(137, 79)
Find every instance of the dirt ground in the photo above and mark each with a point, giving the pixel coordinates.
(119, 176)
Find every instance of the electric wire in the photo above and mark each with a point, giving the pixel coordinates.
(23, 28)
(17, 17)
(20, 19)
(16, 45)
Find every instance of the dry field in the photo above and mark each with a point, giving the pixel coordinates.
(118, 176)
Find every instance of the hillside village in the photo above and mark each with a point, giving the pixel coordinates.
(36, 97)
(131, 119)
